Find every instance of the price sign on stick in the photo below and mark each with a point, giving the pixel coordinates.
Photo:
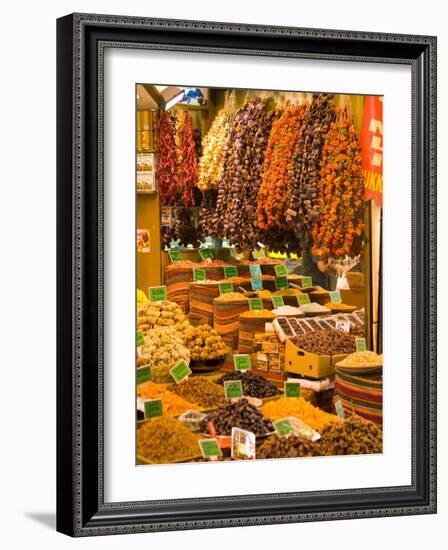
(242, 361)
(280, 270)
(339, 409)
(153, 408)
(233, 389)
(281, 282)
(303, 299)
(360, 344)
(335, 297)
(255, 304)
(140, 338)
(206, 253)
(243, 444)
(157, 293)
(255, 270)
(343, 324)
(256, 283)
(180, 372)
(307, 282)
(283, 427)
(230, 271)
(225, 288)
(277, 301)
(292, 389)
(144, 374)
(175, 255)
(199, 274)
(210, 448)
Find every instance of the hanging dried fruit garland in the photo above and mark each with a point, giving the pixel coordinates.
(273, 195)
(303, 208)
(187, 159)
(166, 173)
(235, 214)
(340, 192)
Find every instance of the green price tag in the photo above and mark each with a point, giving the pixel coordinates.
(339, 409)
(225, 288)
(307, 282)
(283, 427)
(242, 362)
(144, 374)
(255, 304)
(175, 255)
(277, 301)
(335, 296)
(153, 408)
(292, 389)
(361, 344)
(303, 299)
(255, 270)
(199, 274)
(180, 371)
(206, 253)
(280, 270)
(259, 253)
(209, 448)
(157, 293)
(233, 389)
(140, 338)
(256, 284)
(281, 282)
(230, 271)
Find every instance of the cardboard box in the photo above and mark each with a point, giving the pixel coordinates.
(299, 361)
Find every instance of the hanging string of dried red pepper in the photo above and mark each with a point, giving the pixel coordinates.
(187, 159)
(166, 174)
(339, 228)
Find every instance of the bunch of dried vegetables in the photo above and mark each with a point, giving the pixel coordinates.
(187, 159)
(303, 207)
(338, 231)
(235, 215)
(166, 174)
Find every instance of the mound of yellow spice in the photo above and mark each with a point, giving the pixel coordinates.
(165, 440)
(301, 409)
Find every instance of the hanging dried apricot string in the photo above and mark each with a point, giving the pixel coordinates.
(274, 193)
(188, 160)
(166, 174)
(338, 231)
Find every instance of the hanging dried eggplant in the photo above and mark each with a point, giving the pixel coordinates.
(303, 208)
(235, 216)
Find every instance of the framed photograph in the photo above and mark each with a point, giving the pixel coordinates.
(266, 351)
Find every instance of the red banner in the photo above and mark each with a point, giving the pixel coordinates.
(371, 140)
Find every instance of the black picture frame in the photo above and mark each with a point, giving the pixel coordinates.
(81, 40)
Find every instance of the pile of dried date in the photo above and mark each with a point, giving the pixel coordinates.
(326, 342)
(240, 414)
(288, 447)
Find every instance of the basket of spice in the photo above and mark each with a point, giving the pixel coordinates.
(202, 295)
(227, 310)
(289, 295)
(178, 277)
(339, 307)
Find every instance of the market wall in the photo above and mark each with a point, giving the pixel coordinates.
(28, 276)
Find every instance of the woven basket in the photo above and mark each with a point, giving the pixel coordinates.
(361, 394)
(177, 280)
(201, 300)
(226, 319)
(355, 280)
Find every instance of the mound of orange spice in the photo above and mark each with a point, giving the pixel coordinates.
(172, 404)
